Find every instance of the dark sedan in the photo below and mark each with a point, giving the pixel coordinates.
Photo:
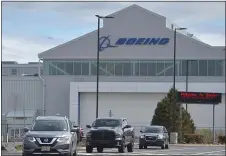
(154, 136)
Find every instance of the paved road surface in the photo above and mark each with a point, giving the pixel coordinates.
(173, 150)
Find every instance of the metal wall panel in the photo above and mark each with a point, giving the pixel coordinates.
(20, 93)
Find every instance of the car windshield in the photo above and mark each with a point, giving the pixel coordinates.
(152, 130)
(107, 123)
(49, 125)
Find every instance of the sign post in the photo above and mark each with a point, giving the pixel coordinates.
(213, 123)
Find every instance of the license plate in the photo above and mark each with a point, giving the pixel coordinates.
(45, 148)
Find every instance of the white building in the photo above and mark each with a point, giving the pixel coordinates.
(136, 71)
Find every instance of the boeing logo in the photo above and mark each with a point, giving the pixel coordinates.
(106, 43)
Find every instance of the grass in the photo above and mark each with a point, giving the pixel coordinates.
(19, 147)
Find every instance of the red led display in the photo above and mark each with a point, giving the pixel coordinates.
(199, 97)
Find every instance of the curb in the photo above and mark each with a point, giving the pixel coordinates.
(213, 145)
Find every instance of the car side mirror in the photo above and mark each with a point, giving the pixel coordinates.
(88, 126)
(75, 126)
(127, 126)
(74, 130)
(26, 129)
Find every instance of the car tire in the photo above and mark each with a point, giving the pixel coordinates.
(89, 149)
(140, 146)
(100, 149)
(163, 146)
(167, 146)
(74, 153)
(130, 147)
(121, 149)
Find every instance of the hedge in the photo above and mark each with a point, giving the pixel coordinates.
(222, 139)
(193, 138)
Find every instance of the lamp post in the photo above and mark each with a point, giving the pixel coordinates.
(174, 56)
(98, 59)
(174, 78)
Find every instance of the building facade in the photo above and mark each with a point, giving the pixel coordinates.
(136, 71)
(13, 68)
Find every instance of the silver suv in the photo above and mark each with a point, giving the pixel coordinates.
(50, 135)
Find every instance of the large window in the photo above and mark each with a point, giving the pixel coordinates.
(144, 68)
(160, 68)
(127, 68)
(110, 66)
(85, 68)
(202, 67)
(14, 72)
(219, 65)
(184, 68)
(118, 68)
(77, 68)
(168, 68)
(152, 67)
(69, 67)
(211, 67)
(193, 68)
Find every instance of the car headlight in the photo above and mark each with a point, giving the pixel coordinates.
(31, 139)
(63, 139)
(118, 135)
(160, 136)
(142, 136)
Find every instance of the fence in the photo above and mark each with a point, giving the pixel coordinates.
(12, 133)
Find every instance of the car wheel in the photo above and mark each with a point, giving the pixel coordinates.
(74, 153)
(130, 147)
(167, 146)
(140, 146)
(163, 146)
(121, 149)
(89, 149)
(145, 147)
(100, 149)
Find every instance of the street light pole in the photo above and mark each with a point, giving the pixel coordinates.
(187, 72)
(98, 60)
(174, 82)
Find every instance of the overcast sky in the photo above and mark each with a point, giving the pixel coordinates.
(33, 27)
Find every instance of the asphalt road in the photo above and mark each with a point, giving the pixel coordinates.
(173, 150)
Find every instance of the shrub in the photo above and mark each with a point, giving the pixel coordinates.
(207, 134)
(222, 139)
(193, 138)
(19, 147)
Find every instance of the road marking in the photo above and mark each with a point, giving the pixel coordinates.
(208, 152)
(99, 154)
(168, 150)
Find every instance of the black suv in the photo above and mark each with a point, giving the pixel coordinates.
(50, 135)
(110, 133)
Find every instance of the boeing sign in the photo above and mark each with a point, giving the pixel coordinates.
(106, 43)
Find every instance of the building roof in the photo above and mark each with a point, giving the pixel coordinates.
(72, 48)
(21, 113)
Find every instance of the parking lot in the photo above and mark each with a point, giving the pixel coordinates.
(173, 150)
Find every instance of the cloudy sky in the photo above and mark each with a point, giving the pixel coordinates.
(32, 27)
